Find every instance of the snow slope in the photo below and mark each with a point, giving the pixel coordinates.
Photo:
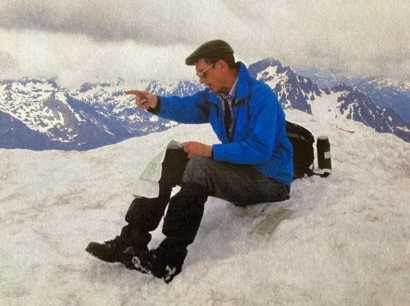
(346, 243)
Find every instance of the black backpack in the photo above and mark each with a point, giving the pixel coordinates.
(303, 154)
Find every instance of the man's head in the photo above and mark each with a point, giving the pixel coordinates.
(212, 51)
(215, 65)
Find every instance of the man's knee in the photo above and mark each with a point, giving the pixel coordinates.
(199, 170)
(200, 162)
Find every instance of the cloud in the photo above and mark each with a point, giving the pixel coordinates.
(155, 22)
(86, 17)
(366, 37)
(75, 59)
(8, 63)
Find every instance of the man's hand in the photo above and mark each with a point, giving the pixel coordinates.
(194, 148)
(144, 99)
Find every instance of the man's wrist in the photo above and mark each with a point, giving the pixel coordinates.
(157, 106)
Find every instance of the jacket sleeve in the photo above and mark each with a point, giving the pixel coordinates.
(262, 137)
(190, 109)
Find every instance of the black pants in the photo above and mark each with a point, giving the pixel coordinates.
(146, 214)
(199, 178)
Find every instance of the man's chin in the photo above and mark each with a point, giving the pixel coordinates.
(216, 90)
(212, 89)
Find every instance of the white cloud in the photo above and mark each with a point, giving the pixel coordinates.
(76, 59)
(150, 39)
(8, 63)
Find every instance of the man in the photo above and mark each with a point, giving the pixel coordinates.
(252, 164)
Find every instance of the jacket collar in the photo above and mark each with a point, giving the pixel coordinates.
(242, 90)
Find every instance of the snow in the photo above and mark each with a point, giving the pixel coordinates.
(345, 243)
(326, 107)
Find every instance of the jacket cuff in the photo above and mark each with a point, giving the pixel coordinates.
(157, 107)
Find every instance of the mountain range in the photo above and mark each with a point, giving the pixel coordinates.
(383, 92)
(39, 114)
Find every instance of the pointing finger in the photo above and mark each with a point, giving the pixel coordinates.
(135, 92)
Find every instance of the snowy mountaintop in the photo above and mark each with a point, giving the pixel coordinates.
(293, 91)
(30, 101)
(384, 92)
(390, 83)
(298, 92)
(346, 240)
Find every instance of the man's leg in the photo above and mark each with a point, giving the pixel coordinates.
(239, 184)
(202, 178)
(180, 226)
(144, 214)
(172, 171)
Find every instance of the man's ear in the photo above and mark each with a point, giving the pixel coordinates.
(223, 65)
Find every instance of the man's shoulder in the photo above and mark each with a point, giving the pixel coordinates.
(258, 87)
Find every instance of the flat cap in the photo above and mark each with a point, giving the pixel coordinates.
(210, 49)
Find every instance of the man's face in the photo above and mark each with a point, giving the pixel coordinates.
(209, 75)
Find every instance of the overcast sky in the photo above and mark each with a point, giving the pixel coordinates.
(81, 40)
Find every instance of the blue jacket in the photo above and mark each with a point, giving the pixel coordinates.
(259, 136)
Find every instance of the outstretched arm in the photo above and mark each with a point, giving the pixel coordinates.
(147, 100)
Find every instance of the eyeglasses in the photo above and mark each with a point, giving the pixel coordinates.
(202, 74)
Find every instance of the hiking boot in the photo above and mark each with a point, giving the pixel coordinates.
(151, 262)
(109, 251)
